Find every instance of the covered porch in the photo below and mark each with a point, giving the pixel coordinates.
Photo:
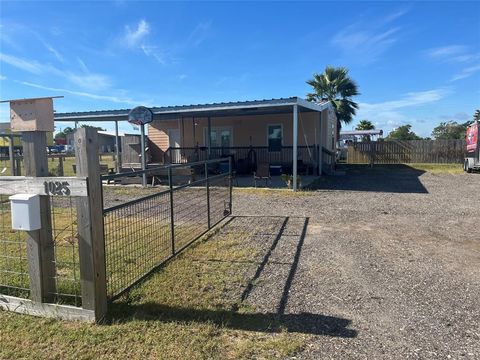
(291, 136)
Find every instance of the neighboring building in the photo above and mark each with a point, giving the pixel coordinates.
(17, 142)
(349, 136)
(106, 141)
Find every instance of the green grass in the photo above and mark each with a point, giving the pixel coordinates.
(424, 167)
(439, 168)
(53, 165)
(189, 309)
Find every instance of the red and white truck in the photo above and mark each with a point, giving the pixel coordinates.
(472, 158)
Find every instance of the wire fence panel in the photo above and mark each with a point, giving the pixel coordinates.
(14, 268)
(144, 232)
(66, 253)
(137, 239)
(14, 277)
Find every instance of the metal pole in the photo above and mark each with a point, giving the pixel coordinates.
(208, 195)
(209, 138)
(172, 214)
(144, 160)
(230, 183)
(117, 148)
(11, 154)
(295, 144)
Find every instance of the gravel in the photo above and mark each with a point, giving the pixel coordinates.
(373, 264)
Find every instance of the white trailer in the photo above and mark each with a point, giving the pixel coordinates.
(472, 158)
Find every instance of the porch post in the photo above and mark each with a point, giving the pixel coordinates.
(209, 138)
(117, 149)
(11, 154)
(295, 143)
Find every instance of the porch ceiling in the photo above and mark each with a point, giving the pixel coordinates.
(240, 108)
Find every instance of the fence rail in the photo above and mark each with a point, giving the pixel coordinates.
(142, 234)
(411, 151)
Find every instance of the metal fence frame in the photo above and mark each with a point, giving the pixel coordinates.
(166, 208)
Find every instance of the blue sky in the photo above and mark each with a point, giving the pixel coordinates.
(416, 63)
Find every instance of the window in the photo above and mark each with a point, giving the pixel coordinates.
(220, 137)
(275, 137)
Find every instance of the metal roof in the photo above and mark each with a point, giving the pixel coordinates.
(238, 108)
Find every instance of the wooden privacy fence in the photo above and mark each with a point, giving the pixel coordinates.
(407, 151)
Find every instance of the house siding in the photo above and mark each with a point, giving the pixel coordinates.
(247, 130)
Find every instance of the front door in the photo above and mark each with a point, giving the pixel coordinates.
(174, 145)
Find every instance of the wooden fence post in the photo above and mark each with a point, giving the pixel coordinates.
(60, 171)
(40, 245)
(90, 225)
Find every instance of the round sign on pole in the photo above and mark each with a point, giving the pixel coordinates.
(140, 115)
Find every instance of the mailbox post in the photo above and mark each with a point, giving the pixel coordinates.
(34, 118)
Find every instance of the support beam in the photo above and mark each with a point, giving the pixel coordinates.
(143, 152)
(209, 138)
(118, 162)
(295, 145)
(11, 154)
(91, 242)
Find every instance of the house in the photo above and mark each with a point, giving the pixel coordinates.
(292, 135)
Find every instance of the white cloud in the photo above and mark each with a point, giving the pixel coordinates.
(89, 81)
(135, 37)
(54, 52)
(364, 41)
(389, 114)
(85, 79)
(31, 66)
(3, 77)
(154, 52)
(452, 53)
(408, 100)
(466, 72)
(199, 33)
(110, 98)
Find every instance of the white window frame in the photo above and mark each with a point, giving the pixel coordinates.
(217, 128)
(281, 131)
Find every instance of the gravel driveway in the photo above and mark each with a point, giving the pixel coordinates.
(375, 264)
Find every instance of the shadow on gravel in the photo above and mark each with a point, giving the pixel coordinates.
(271, 231)
(381, 178)
(305, 323)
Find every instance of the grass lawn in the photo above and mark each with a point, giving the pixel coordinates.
(190, 309)
(53, 165)
(439, 168)
(424, 167)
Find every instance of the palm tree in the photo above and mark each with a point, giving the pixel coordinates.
(365, 125)
(335, 85)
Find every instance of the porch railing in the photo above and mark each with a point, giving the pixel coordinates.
(244, 156)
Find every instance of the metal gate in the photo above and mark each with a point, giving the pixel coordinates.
(156, 223)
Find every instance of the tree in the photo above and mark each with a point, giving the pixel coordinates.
(476, 116)
(403, 132)
(450, 130)
(365, 125)
(63, 134)
(92, 127)
(336, 86)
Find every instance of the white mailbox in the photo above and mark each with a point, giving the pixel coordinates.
(25, 212)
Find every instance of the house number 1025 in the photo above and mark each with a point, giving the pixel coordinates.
(57, 188)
